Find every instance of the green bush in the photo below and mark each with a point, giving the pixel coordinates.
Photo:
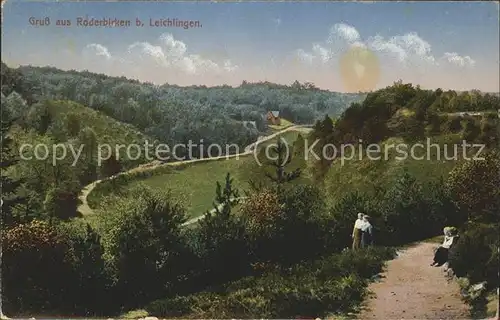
(143, 245)
(91, 282)
(403, 211)
(222, 239)
(338, 228)
(473, 186)
(222, 249)
(335, 284)
(37, 272)
(364, 263)
(300, 226)
(453, 125)
(472, 130)
(475, 254)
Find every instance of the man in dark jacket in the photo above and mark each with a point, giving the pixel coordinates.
(367, 232)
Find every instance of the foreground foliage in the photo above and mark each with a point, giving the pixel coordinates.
(335, 284)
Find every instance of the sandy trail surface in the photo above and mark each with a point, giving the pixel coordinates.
(411, 289)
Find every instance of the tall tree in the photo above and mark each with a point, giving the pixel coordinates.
(72, 124)
(222, 236)
(8, 186)
(225, 198)
(472, 130)
(111, 166)
(88, 138)
(282, 158)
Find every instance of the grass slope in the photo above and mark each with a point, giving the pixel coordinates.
(366, 175)
(193, 184)
(107, 129)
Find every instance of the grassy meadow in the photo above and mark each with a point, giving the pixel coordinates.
(193, 184)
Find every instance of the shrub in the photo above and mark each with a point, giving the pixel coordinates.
(473, 186)
(260, 212)
(472, 130)
(364, 263)
(414, 211)
(454, 125)
(343, 214)
(301, 224)
(60, 203)
(221, 238)
(285, 228)
(222, 250)
(143, 243)
(475, 254)
(36, 269)
(91, 283)
(335, 284)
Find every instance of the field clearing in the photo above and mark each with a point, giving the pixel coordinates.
(194, 183)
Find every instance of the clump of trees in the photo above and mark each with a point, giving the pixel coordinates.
(474, 188)
(174, 114)
(413, 114)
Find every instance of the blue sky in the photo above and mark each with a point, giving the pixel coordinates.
(434, 44)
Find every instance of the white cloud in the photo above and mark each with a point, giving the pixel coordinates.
(98, 50)
(147, 50)
(378, 43)
(277, 22)
(229, 66)
(341, 37)
(408, 49)
(167, 53)
(345, 32)
(323, 53)
(456, 59)
(305, 56)
(174, 48)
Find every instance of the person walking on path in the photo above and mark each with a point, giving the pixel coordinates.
(366, 232)
(356, 232)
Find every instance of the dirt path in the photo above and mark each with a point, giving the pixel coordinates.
(411, 289)
(85, 209)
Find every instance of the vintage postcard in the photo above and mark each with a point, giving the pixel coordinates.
(250, 160)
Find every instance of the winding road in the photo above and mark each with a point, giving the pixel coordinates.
(85, 209)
